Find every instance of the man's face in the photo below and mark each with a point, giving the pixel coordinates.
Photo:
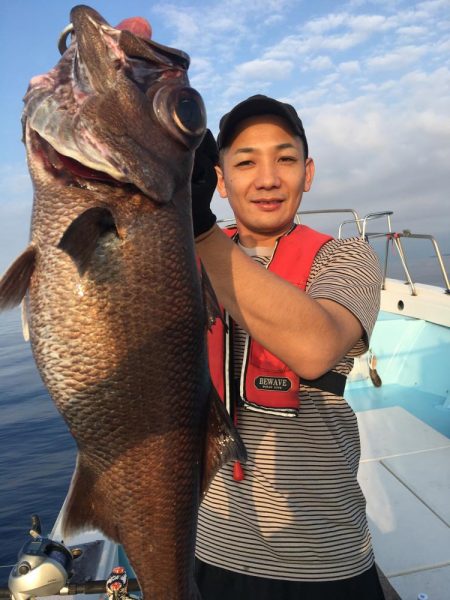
(264, 175)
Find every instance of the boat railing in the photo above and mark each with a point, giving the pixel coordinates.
(359, 222)
(362, 223)
(355, 221)
(395, 239)
(392, 239)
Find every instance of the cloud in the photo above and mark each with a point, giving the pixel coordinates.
(397, 58)
(273, 20)
(349, 67)
(221, 26)
(379, 88)
(361, 23)
(203, 74)
(262, 69)
(385, 150)
(324, 24)
(433, 5)
(184, 23)
(320, 63)
(341, 32)
(371, 23)
(412, 31)
(441, 49)
(328, 81)
(293, 45)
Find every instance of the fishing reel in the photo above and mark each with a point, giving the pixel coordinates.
(48, 568)
(43, 566)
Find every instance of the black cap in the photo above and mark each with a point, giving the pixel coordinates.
(259, 105)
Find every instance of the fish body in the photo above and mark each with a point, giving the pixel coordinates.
(114, 300)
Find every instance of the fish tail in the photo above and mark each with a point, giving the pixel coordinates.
(85, 506)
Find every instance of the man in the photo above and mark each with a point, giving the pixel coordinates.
(291, 523)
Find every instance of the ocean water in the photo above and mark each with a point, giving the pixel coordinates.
(37, 453)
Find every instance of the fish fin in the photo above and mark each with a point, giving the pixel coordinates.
(24, 315)
(210, 302)
(85, 506)
(78, 514)
(15, 282)
(81, 237)
(223, 442)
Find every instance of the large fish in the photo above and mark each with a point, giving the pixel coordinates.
(113, 294)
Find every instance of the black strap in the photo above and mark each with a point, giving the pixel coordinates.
(329, 382)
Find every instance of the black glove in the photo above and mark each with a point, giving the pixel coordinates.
(203, 184)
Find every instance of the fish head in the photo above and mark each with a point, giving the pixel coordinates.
(117, 108)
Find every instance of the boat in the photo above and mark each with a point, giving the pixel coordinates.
(400, 392)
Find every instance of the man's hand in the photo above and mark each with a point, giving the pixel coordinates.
(203, 184)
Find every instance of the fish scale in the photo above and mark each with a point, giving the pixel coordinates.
(91, 398)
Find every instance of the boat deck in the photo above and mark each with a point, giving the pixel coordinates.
(405, 463)
(405, 440)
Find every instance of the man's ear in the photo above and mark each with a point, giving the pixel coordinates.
(309, 174)
(220, 182)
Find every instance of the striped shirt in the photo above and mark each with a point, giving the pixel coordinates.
(299, 514)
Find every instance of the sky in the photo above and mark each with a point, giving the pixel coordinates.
(369, 78)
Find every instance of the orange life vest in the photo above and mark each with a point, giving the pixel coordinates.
(266, 383)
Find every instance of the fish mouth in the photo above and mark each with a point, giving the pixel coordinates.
(114, 108)
(69, 171)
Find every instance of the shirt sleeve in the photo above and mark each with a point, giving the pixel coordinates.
(348, 272)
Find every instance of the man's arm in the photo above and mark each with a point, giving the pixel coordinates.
(309, 335)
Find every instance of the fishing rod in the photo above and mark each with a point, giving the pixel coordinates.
(98, 586)
(45, 568)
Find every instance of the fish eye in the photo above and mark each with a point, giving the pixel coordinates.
(189, 112)
(181, 111)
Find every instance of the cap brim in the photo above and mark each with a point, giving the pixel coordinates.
(252, 107)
